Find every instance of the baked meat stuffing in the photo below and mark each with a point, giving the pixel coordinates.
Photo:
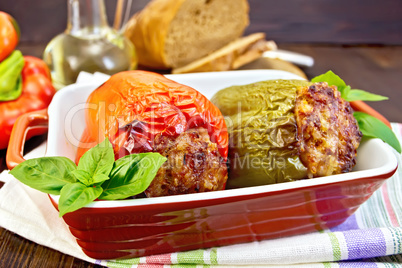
(327, 132)
(193, 165)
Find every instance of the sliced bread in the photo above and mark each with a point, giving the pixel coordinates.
(232, 56)
(172, 33)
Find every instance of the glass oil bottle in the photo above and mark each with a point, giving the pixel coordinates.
(88, 44)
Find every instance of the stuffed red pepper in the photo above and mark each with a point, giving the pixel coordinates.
(140, 111)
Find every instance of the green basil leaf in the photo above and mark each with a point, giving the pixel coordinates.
(358, 94)
(99, 178)
(46, 174)
(98, 160)
(74, 196)
(83, 177)
(331, 78)
(347, 93)
(372, 127)
(334, 80)
(131, 175)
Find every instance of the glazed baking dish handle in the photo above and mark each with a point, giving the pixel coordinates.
(27, 125)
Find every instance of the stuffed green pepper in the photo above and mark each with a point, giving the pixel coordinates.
(286, 130)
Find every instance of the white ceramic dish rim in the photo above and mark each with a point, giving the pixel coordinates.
(208, 84)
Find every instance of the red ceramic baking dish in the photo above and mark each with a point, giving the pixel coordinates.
(140, 227)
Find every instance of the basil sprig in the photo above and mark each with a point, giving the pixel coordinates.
(370, 126)
(97, 176)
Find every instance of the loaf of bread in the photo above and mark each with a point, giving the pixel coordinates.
(232, 56)
(173, 33)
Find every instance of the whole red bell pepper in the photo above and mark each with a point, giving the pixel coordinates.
(36, 93)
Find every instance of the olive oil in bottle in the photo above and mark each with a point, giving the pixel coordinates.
(88, 44)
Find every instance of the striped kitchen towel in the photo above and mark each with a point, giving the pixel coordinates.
(372, 237)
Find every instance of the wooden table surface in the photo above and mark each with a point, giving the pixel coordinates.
(377, 69)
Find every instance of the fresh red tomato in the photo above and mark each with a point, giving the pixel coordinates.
(9, 35)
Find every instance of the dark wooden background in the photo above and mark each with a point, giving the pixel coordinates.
(285, 21)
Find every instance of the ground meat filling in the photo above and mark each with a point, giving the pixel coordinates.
(327, 132)
(193, 165)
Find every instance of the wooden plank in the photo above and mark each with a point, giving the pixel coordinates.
(290, 21)
(329, 21)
